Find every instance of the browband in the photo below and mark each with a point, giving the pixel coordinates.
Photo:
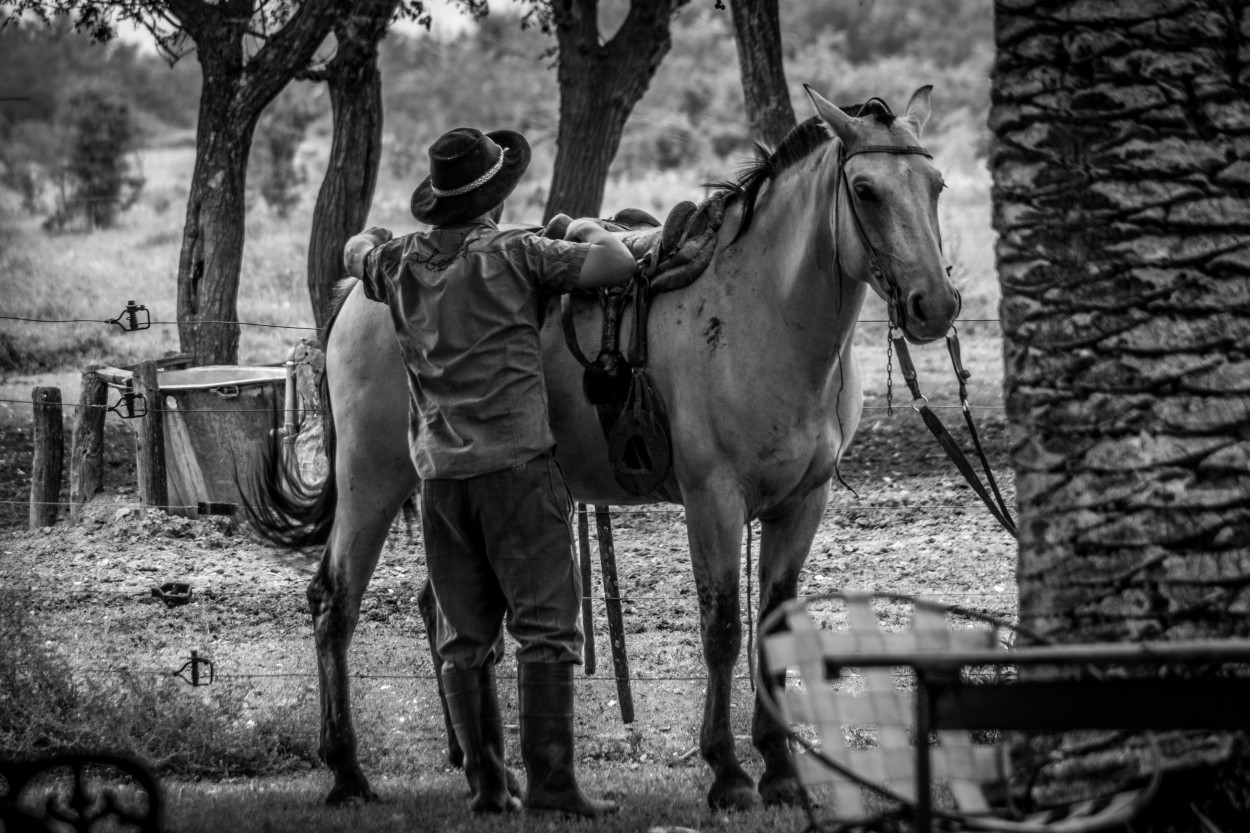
(902, 149)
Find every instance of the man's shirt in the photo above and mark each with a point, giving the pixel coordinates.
(465, 300)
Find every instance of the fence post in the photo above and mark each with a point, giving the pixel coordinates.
(45, 470)
(86, 458)
(616, 622)
(150, 440)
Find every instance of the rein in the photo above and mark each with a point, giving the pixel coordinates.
(991, 496)
(920, 404)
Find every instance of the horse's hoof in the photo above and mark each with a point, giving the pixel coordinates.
(733, 795)
(781, 792)
(351, 794)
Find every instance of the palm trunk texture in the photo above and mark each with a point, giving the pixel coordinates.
(1121, 188)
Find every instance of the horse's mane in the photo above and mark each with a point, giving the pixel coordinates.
(802, 140)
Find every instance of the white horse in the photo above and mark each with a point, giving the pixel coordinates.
(752, 366)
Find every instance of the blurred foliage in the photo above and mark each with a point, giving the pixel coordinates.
(37, 64)
(941, 32)
(501, 73)
(275, 162)
(95, 177)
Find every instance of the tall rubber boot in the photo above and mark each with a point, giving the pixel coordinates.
(546, 695)
(474, 706)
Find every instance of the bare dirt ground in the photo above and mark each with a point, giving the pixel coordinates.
(905, 522)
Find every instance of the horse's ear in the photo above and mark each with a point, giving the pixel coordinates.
(918, 108)
(842, 125)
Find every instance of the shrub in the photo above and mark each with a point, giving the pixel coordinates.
(96, 178)
(279, 135)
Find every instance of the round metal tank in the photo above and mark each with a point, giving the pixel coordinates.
(216, 419)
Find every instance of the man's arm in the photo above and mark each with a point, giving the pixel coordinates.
(608, 262)
(359, 246)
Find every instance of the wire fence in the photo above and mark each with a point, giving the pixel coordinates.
(202, 669)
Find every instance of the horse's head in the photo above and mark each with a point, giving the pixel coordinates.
(885, 217)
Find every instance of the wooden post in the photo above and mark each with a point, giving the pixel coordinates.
(588, 615)
(616, 623)
(150, 440)
(86, 457)
(45, 470)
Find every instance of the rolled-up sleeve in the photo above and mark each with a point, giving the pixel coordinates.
(381, 266)
(551, 265)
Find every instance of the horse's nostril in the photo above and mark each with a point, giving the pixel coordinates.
(915, 307)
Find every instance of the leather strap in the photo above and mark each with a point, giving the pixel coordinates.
(996, 504)
(914, 150)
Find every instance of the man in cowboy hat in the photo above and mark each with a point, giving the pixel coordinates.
(465, 298)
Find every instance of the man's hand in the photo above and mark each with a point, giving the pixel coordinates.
(359, 246)
(584, 230)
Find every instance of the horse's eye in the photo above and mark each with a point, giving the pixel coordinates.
(865, 192)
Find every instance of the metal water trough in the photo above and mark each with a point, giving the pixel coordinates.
(216, 417)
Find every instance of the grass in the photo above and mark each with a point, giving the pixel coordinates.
(656, 799)
(92, 276)
(48, 703)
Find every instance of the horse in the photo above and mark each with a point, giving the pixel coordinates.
(753, 368)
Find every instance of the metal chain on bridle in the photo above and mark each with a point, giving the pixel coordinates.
(897, 344)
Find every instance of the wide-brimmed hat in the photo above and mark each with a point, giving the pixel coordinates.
(471, 172)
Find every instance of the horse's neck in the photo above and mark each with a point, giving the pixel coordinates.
(793, 240)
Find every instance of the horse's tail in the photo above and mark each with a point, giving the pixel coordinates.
(280, 505)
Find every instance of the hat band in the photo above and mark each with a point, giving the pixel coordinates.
(477, 183)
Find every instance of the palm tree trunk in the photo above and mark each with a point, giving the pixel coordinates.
(1122, 207)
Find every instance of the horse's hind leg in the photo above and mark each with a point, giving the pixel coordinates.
(369, 498)
(784, 544)
(714, 525)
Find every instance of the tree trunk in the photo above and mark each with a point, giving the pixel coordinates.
(212, 239)
(1122, 204)
(599, 85)
(346, 193)
(757, 32)
(236, 88)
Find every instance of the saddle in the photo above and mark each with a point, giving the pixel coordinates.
(670, 256)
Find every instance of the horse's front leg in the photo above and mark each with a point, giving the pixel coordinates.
(714, 520)
(785, 541)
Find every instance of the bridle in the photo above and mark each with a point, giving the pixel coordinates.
(875, 267)
(897, 342)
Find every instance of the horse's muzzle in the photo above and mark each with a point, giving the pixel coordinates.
(927, 316)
